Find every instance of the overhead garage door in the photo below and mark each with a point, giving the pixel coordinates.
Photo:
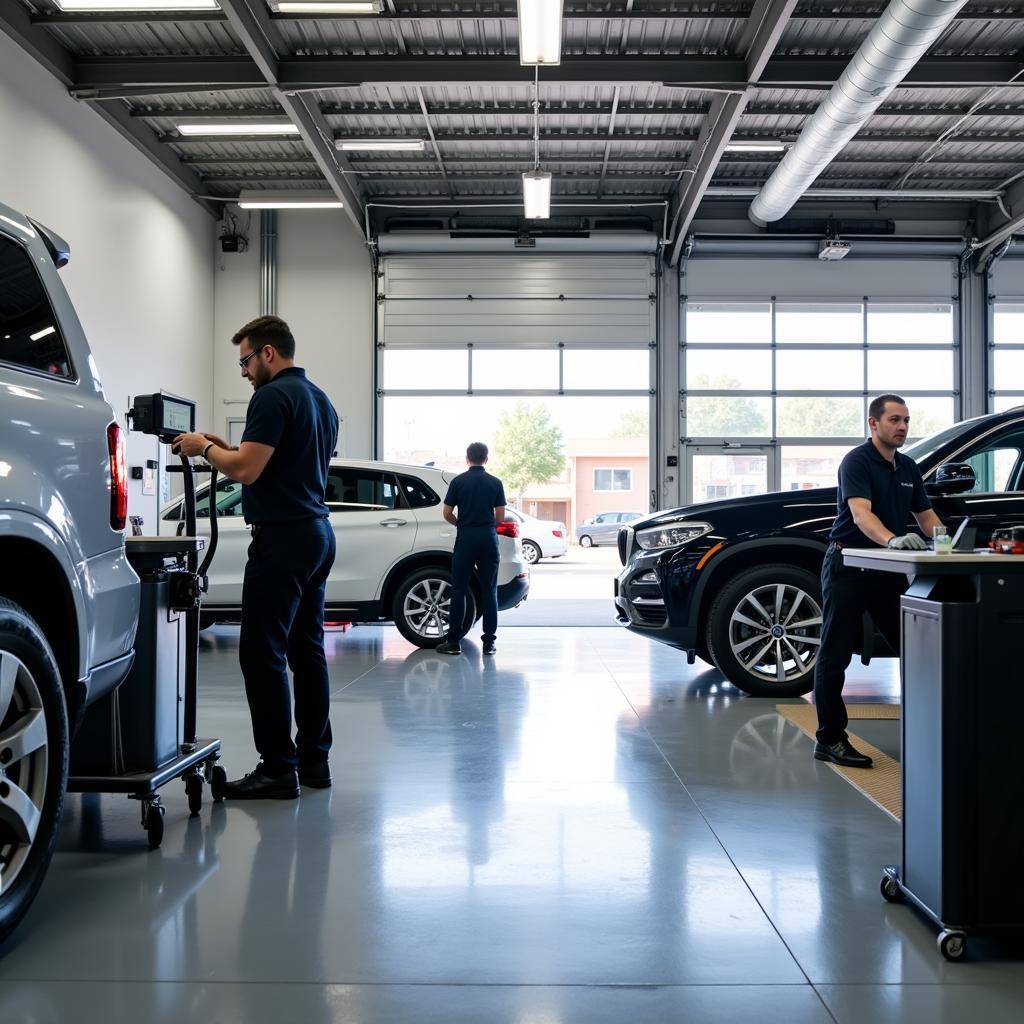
(472, 346)
(780, 357)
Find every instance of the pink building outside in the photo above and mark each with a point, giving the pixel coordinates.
(600, 475)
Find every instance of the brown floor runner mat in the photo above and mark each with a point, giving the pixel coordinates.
(881, 783)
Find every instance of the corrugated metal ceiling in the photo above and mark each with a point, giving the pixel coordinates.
(483, 130)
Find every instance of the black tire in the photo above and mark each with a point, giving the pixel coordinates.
(728, 638)
(426, 632)
(218, 782)
(43, 772)
(586, 541)
(531, 553)
(952, 945)
(194, 792)
(891, 892)
(155, 825)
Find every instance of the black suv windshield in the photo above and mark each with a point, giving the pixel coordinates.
(928, 446)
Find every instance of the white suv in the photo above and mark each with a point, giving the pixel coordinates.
(394, 550)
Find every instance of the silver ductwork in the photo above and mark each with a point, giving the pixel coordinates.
(902, 35)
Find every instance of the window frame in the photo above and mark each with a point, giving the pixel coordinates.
(613, 470)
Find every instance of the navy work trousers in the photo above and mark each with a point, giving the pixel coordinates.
(848, 593)
(283, 627)
(476, 550)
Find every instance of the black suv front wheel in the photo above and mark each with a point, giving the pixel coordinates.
(764, 630)
(33, 760)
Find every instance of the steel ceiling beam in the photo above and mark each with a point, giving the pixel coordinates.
(250, 21)
(757, 43)
(556, 109)
(508, 14)
(199, 74)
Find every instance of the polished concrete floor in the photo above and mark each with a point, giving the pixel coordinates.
(582, 829)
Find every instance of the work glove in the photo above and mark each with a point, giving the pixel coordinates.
(908, 542)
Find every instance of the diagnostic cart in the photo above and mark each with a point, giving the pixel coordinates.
(143, 734)
(962, 707)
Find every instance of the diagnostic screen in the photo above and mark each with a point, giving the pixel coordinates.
(177, 417)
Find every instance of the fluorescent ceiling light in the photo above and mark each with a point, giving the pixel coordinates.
(540, 31)
(240, 127)
(755, 146)
(44, 333)
(256, 199)
(537, 195)
(137, 5)
(381, 145)
(327, 7)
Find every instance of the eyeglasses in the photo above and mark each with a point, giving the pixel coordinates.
(245, 359)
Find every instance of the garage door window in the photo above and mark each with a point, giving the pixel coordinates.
(1006, 368)
(30, 336)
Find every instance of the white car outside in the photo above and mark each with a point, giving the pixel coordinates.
(394, 550)
(541, 538)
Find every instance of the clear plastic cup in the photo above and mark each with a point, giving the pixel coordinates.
(942, 542)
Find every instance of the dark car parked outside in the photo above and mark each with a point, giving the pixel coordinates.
(737, 582)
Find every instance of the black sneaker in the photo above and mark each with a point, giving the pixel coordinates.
(490, 647)
(842, 752)
(257, 786)
(316, 776)
(448, 648)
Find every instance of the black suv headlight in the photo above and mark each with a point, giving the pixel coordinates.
(660, 538)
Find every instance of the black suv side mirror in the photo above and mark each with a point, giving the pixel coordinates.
(953, 478)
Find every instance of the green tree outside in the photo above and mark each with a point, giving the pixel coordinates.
(632, 424)
(529, 449)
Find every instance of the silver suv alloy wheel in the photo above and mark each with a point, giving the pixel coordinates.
(775, 632)
(24, 760)
(426, 608)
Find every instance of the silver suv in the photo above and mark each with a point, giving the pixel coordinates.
(69, 599)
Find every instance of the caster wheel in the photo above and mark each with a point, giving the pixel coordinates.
(194, 792)
(154, 825)
(891, 892)
(218, 781)
(952, 945)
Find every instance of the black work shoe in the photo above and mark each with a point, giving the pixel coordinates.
(317, 776)
(490, 648)
(257, 786)
(448, 648)
(841, 752)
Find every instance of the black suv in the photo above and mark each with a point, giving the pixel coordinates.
(737, 582)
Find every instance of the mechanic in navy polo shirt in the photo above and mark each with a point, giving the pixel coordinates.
(878, 491)
(480, 499)
(291, 431)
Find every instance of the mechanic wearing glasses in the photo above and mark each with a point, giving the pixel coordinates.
(291, 431)
(878, 489)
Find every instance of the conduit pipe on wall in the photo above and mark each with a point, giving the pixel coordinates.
(902, 35)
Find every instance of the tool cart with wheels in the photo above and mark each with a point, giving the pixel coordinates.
(962, 706)
(143, 734)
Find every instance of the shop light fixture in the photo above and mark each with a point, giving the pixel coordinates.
(540, 31)
(380, 145)
(755, 146)
(327, 7)
(537, 195)
(256, 199)
(239, 127)
(99, 6)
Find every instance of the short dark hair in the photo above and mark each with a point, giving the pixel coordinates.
(267, 330)
(876, 410)
(477, 453)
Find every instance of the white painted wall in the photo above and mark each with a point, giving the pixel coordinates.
(140, 274)
(325, 292)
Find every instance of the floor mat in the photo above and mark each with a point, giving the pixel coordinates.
(881, 783)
